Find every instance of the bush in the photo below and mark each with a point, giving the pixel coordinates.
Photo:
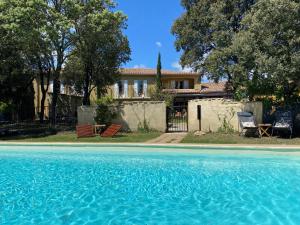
(5, 111)
(144, 127)
(162, 96)
(4, 107)
(106, 111)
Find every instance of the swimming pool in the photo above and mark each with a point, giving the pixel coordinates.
(127, 185)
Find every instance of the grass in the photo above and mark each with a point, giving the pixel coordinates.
(220, 138)
(71, 137)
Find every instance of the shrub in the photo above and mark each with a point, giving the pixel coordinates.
(144, 127)
(162, 96)
(225, 121)
(106, 111)
(4, 107)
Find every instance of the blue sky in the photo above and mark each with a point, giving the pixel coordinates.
(149, 31)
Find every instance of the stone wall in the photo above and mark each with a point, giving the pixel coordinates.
(132, 115)
(86, 115)
(215, 111)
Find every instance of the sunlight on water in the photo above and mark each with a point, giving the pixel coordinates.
(84, 186)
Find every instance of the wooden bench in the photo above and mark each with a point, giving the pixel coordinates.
(85, 131)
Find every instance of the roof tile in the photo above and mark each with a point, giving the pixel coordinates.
(147, 71)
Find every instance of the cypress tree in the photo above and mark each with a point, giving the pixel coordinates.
(158, 74)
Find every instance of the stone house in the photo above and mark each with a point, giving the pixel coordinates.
(138, 84)
(68, 101)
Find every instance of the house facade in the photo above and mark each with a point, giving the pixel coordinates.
(68, 101)
(138, 84)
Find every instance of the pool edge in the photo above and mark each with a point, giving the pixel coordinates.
(219, 147)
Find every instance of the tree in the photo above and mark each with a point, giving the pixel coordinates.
(205, 31)
(18, 31)
(58, 34)
(158, 74)
(100, 47)
(268, 49)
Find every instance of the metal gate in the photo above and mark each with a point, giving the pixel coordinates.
(177, 120)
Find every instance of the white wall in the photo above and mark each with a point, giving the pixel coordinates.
(215, 110)
(132, 114)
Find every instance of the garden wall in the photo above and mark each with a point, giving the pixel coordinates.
(131, 115)
(215, 111)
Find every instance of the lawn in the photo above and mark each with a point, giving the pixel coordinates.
(71, 137)
(219, 138)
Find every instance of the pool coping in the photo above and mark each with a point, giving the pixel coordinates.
(284, 150)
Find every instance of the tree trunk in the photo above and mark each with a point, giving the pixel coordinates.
(44, 92)
(86, 93)
(42, 112)
(56, 89)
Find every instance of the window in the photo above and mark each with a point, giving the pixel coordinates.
(50, 89)
(62, 88)
(180, 84)
(140, 88)
(121, 89)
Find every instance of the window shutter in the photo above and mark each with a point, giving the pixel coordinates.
(51, 87)
(125, 88)
(135, 87)
(186, 84)
(145, 86)
(62, 88)
(116, 91)
(173, 84)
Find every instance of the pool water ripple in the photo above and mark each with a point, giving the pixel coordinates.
(74, 186)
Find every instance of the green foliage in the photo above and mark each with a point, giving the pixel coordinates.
(3, 107)
(268, 48)
(37, 37)
(106, 111)
(163, 96)
(100, 47)
(225, 120)
(144, 127)
(254, 44)
(158, 74)
(206, 29)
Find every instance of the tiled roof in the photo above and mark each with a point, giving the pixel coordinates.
(213, 87)
(182, 91)
(206, 88)
(146, 71)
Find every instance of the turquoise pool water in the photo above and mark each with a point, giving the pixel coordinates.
(114, 185)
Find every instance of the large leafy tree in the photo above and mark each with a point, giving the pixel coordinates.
(100, 48)
(18, 33)
(205, 31)
(58, 36)
(268, 49)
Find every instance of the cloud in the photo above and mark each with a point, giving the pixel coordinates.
(139, 66)
(178, 67)
(158, 44)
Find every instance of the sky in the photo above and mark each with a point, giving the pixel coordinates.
(149, 32)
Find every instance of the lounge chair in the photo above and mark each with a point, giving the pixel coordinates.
(85, 131)
(247, 123)
(283, 122)
(111, 131)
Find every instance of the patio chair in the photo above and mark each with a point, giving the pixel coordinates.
(85, 131)
(111, 131)
(283, 122)
(247, 123)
